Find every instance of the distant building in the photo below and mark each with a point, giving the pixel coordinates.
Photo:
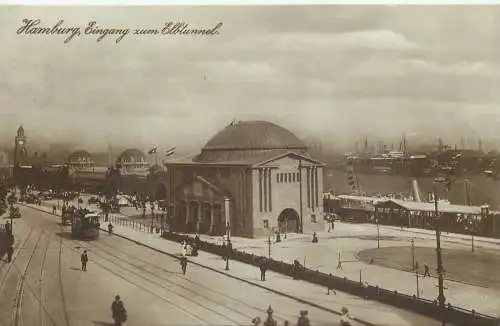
(134, 170)
(20, 147)
(255, 173)
(5, 165)
(4, 159)
(80, 160)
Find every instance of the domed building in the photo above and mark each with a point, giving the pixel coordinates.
(80, 160)
(253, 178)
(132, 160)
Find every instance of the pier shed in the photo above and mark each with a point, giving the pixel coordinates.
(454, 218)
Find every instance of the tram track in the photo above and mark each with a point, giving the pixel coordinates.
(174, 284)
(191, 297)
(60, 281)
(16, 319)
(224, 296)
(139, 286)
(23, 283)
(151, 278)
(67, 244)
(14, 258)
(41, 309)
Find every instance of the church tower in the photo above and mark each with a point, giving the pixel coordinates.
(20, 150)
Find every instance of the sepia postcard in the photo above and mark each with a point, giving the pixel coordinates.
(184, 165)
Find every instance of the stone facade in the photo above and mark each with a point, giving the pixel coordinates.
(259, 191)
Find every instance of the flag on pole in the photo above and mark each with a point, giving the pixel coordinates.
(153, 150)
(170, 152)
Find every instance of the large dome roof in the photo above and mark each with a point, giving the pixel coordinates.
(80, 156)
(131, 156)
(247, 138)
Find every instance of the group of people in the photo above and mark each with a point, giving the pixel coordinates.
(190, 248)
(302, 320)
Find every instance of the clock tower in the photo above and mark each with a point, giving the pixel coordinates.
(20, 149)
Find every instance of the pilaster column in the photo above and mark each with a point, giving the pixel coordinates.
(199, 217)
(211, 228)
(227, 216)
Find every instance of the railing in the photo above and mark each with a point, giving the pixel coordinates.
(136, 225)
(456, 316)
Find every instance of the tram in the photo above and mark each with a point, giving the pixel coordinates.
(85, 225)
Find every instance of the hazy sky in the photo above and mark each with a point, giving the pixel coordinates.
(333, 72)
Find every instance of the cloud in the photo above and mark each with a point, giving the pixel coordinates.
(323, 70)
(376, 39)
(232, 70)
(311, 41)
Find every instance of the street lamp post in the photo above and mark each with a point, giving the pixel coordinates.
(228, 231)
(300, 198)
(413, 253)
(378, 235)
(441, 298)
(416, 275)
(269, 244)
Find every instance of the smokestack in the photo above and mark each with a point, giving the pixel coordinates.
(416, 193)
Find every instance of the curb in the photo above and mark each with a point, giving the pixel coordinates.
(240, 279)
(338, 313)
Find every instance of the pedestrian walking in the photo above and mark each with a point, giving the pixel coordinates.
(84, 259)
(8, 227)
(330, 285)
(118, 311)
(303, 320)
(183, 262)
(315, 238)
(10, 252)
(263, 269)
(426, 270)
(345, 318)
(297, 267)
(54, 209)
(366, 290)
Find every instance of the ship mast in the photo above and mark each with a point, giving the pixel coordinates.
(403, 145)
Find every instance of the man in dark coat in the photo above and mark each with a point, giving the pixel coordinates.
(263, 269)
(330, 285)
(10, 251)
(8, 228)
(84, 259)
(303, 320)
(118, 311)
(426, 270)
(183, 262)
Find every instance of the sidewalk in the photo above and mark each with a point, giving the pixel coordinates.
(370, 311)
(347, 240)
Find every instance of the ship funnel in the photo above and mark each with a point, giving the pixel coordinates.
(415, 190)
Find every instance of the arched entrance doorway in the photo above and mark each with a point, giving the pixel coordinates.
(288, 221)
(160, 192)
